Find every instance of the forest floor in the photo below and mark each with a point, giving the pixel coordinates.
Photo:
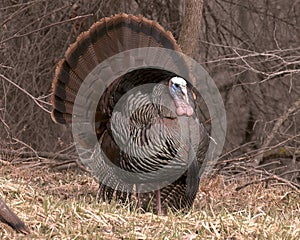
(62, 205)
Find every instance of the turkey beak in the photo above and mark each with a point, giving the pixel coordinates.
(184, 94)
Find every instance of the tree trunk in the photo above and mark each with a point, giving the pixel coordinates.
(191, 26)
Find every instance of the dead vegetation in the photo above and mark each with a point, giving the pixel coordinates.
(62, 205)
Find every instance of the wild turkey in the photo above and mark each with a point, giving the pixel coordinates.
(9, 217)
(126, 121)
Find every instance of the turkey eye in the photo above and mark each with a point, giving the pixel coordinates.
(176, 85)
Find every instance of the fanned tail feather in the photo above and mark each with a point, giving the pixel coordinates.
(104, 39)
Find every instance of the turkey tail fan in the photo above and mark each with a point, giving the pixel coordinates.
(9, 217)
(104, 39)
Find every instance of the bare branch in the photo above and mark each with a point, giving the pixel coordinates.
(16, 35)
(37, 101)
(295, 107)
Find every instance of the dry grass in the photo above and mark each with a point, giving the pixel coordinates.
(62, 205)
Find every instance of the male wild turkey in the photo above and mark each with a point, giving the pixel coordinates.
(155, 123)
(9, 217)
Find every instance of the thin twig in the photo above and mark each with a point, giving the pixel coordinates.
(47, 155)
(293, 108)
(269, 176)
(45, 27)
(36, 100)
